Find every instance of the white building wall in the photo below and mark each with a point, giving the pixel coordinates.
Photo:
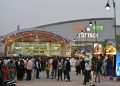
(66, 29)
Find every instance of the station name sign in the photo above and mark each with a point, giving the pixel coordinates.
(82, 27)
(87, 35)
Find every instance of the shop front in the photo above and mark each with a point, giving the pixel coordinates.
(33, 48)
(34, 43)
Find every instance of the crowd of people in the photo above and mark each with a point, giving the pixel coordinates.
(56, 67)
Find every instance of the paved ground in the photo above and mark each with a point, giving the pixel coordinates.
(75, 81)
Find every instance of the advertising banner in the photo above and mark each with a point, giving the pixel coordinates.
(118, 64)
(88, 48)
(97, 48)
(110, 46)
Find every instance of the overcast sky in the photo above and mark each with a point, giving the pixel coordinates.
(32, 13)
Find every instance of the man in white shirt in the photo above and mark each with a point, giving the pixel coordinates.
(87, 71)
(29, 69)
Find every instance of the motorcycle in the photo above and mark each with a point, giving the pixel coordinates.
(9, 83)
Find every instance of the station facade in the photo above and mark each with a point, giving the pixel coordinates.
(61, 38)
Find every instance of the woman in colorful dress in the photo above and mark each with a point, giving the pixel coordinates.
(4, 71)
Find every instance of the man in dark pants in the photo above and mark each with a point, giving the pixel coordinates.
(77, 65)
(64, 68)
(82, 65)
(59, 73)
(98, 70)
(87, 71)
(38, 68)
(54, 68)
(29, 69)
(29, 74)
(68, 69)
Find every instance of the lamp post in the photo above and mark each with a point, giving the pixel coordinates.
(114, 7)
(90, 23)
(114, 23)
(86, 40)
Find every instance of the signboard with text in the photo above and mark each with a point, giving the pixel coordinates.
(118, 65)
(110, 47)
(82, 27)
(97, 48)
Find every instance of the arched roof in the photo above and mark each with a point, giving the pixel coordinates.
(34, 35)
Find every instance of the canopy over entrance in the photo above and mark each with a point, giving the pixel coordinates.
(34, 36)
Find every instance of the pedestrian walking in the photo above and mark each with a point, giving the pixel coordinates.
(87, 71)
(68, 69)
(47, 68)
(59, 69)
(29, 69)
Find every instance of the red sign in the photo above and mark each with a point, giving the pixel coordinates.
(79, 27)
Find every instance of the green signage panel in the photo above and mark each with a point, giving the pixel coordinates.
(98, 27)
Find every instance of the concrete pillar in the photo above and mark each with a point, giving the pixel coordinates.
(48, 48)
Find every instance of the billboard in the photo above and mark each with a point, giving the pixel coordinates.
(110, 47)
(118, 64)
(97, 48)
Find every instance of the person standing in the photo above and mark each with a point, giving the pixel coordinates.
(98, 70)
(59, 69)
(64, 68)
(54, 68)
(38, 68)
(21, 69)
(82, 64)
(68, 69)
(93, 70)
(77, 66)
(17, 65)
(87, 76)
(47, 68)
(4, 71)
(29, 69)
(11, 70)
(109, 68)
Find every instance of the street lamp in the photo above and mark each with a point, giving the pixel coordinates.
(90, 24)
(114, 7)
(86, 40)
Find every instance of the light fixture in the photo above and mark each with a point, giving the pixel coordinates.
(36, 36)
(1, 39)
(107, 6)
(88, 29)
(74, 40)
(90, 23)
